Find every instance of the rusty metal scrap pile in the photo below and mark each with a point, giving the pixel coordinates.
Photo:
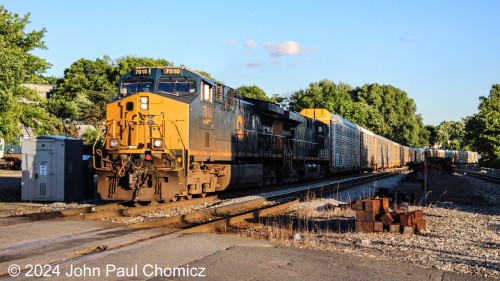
(374, 215)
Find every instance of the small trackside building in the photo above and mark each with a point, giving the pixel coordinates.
(52, 169)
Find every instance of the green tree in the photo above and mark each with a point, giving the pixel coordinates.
(125, 64)
(399, 119)
(433, 139)
(483, 129)
(324, 94)
(253, 92)
(84, 90)
(18, 65)
(423, 133)
(383, 109)
(450, 134)
(88, 85)
(472, 131)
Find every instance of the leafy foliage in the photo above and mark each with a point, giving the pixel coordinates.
(324, 94)
(88, 85)
(450, 134)
(18, 65)
(127, 63)
(400, 121)
(433, 139)
(253, 92)
(483, 128)
(383, 109)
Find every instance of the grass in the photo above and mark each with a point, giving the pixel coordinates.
(301, 226)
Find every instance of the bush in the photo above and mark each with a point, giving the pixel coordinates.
(443, 163)
(492, 163)
(415, 166)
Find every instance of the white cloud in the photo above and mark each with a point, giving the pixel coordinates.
(250, 44)
(254, 64)
(275, 61)
(287, 48)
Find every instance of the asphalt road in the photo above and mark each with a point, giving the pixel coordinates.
(14, 175)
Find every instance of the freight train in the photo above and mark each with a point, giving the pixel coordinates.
(173, 133)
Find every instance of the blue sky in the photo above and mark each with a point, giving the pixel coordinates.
(444, 54)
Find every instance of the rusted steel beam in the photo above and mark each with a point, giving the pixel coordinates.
(189, 218)
(225, 222)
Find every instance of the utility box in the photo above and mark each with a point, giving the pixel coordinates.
(52, 169)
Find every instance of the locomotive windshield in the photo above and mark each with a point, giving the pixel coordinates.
(176, 87)
(127, 88)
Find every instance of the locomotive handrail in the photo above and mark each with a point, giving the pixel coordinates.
(182, 142)
(95, 143)
(260, 133)
(221, 99)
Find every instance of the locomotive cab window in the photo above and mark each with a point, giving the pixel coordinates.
(207, 92)
(175, 87)
(128, 88)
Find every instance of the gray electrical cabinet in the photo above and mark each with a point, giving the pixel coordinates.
(52, 169)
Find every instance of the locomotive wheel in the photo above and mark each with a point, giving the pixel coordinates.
(186, 197)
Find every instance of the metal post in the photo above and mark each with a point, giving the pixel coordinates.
(425, 178)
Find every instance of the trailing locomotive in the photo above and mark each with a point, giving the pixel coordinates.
(173, 133)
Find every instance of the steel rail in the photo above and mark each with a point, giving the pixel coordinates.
(251, 209)
(479, 176)
(131, 211)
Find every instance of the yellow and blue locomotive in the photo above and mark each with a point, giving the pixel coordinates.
(173, 133)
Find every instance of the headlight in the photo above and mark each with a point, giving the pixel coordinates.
(158, 143)
(144, 103)
(113, 143)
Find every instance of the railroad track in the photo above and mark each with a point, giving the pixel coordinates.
(217, 217)
(479, 176)
(123, 209)
(31, 217)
